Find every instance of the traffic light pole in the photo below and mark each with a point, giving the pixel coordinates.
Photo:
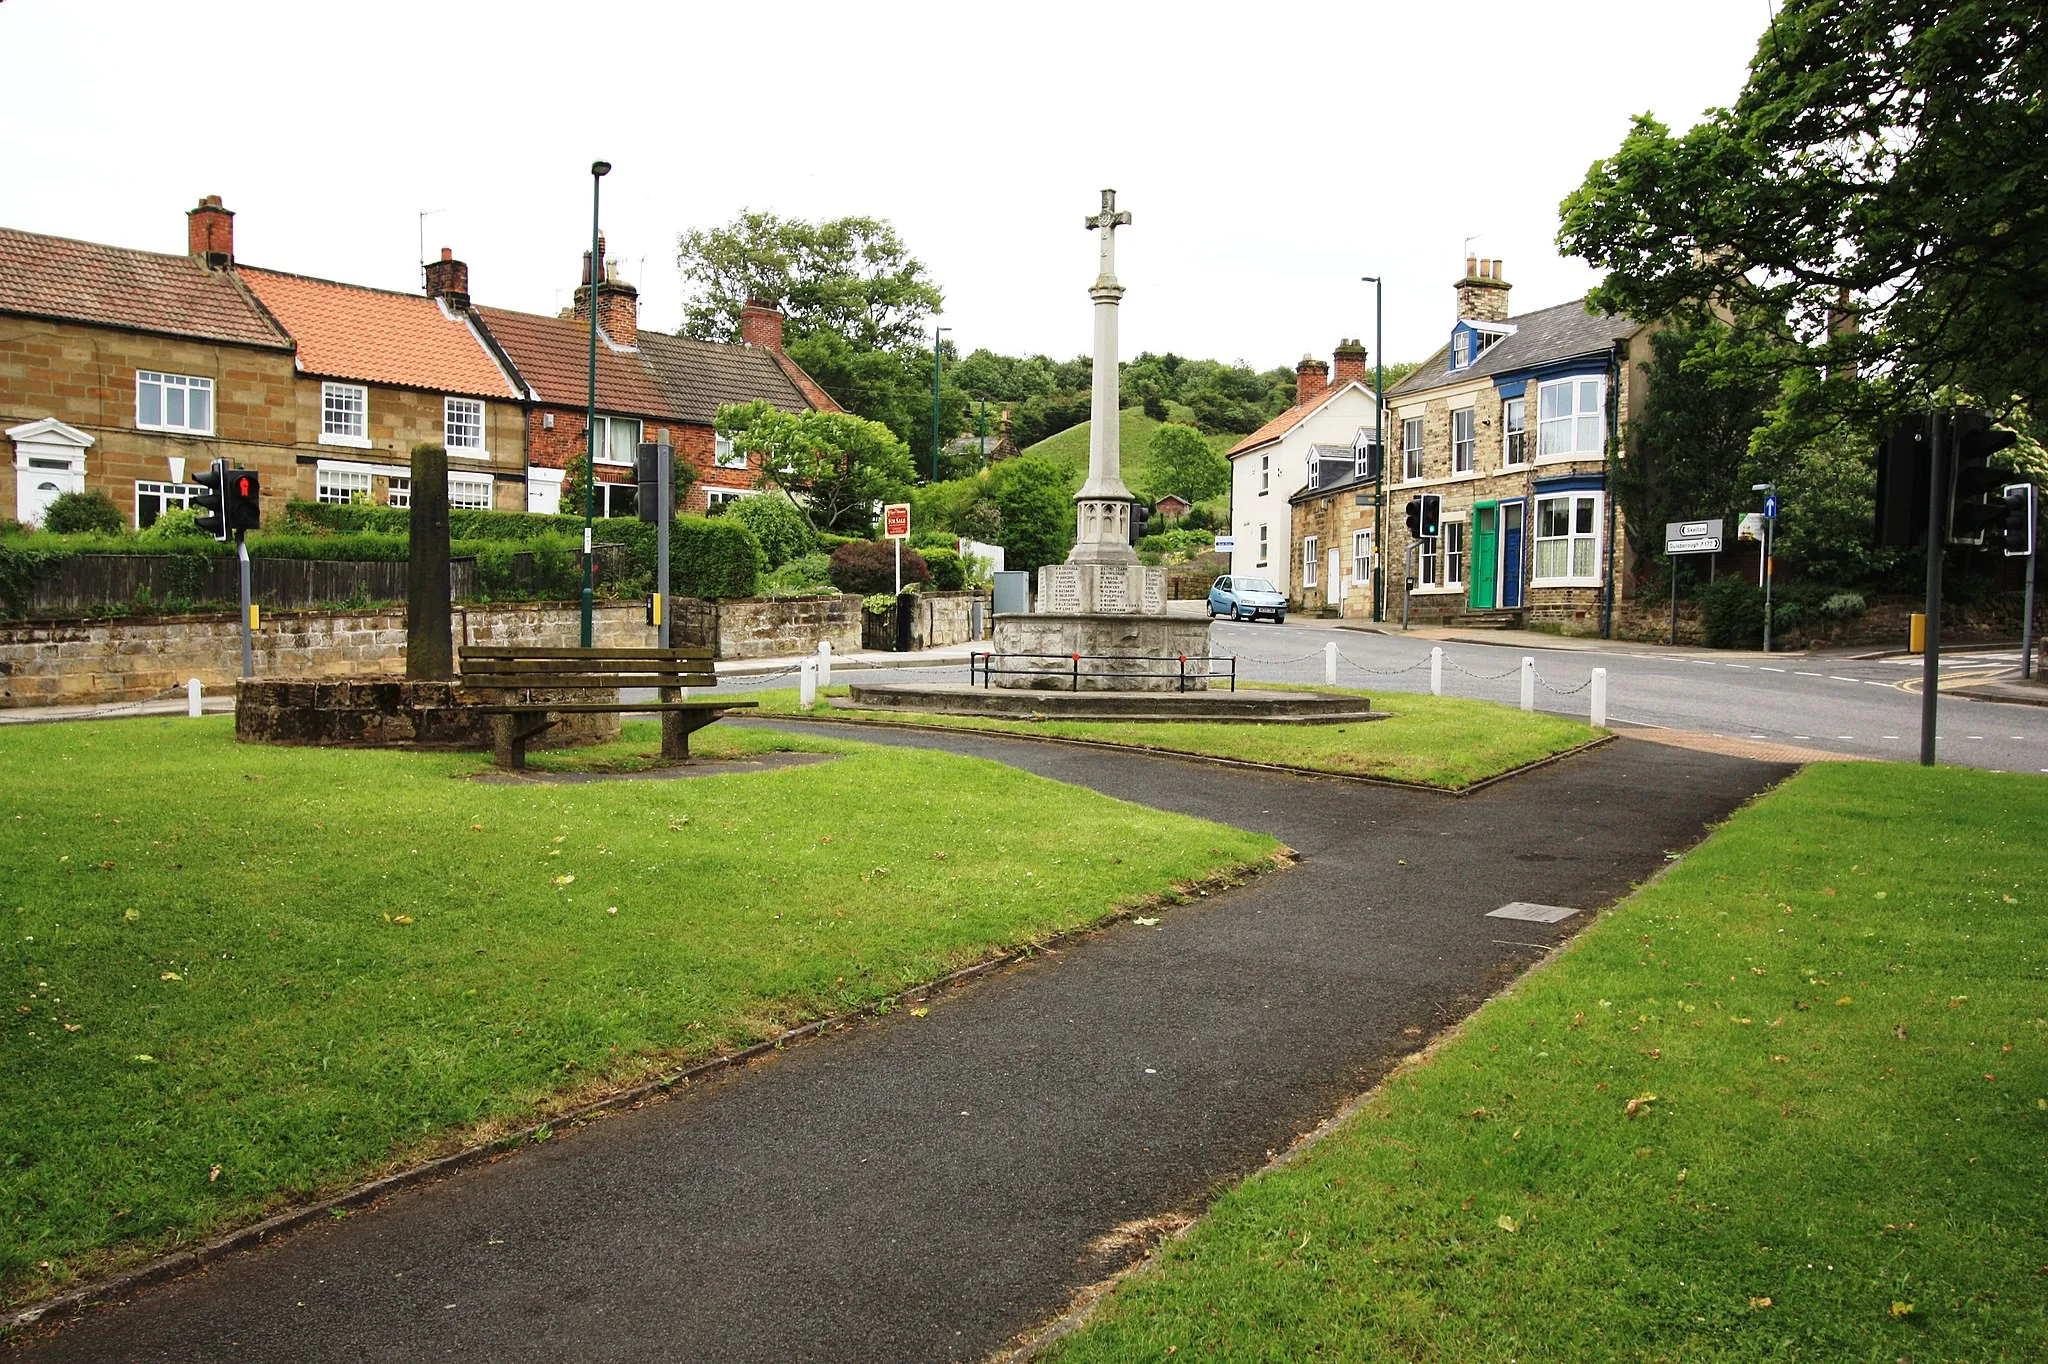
(2027, 621)
(1937, 539)
(248, 646)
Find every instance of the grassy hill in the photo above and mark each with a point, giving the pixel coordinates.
(1070, 447)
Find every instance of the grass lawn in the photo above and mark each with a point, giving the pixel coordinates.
(244, 975)
(1432, 740)
(1070, 447)
(1838, 1005)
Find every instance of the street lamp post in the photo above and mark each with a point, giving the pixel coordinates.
(938, 361)
(598, 171)
(1770, 492)
(1379, 440)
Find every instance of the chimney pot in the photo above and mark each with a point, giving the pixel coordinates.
(210, 233)
(1483, 293)
(447, 253)
(448, 279)
(1351, 357)
(1311, 380)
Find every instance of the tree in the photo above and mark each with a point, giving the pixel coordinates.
(1876, 193)
(1004, 378)
(779, 524)
(852, 276)
(1034, 505)
(1182, 461)
(835, 465)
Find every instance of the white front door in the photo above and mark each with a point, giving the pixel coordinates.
(1335, 595)
(49, 461)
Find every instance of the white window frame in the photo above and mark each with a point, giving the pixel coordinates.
(723, 455)
(601, 447)
(1361, 556)
(469, 492)
(1456, 564)
(1592, 504)
(463, 415)
(165, 495)
(1514, 422)
(339, 403)
(1411, 450)
(398, 491)
(1565, 436)
(1429, 568)
(1265, 474)
(1265, 544)
(725, 497)
(338, 487)
(1310, 552)
(1364, 447)
(186, 387)
(1464, 449)
(1461, 349)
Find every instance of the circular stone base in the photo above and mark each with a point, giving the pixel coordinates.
(1118, 653)
(399, 712)
(1246, 705)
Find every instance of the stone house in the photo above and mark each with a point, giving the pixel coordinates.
(1287, 457)
(1512, 423)
(127, 371)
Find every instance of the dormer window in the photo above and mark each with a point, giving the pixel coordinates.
(1470, 340)
(1461, 349)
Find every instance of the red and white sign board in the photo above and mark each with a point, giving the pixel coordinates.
(896, 520)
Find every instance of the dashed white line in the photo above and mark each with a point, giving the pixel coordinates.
(1797, 673)
(1868, 683)
(1833, 678)
(1743, 666)
(1762, 669)
(1803, 736)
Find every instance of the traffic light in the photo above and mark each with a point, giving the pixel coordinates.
(1904, 474)
(1977, 510)
(1415, 517)
(245, 501)
(1432, 515)
(212, 504)
(2022, 512)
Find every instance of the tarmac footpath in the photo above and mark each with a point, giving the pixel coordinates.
(928, 1188)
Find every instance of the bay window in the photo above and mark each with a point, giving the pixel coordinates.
(1569, 419)
(1568, 538)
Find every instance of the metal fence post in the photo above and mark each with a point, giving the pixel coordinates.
(1599, 698)
(1436, 670)
(1077, 672)
(1528, 682)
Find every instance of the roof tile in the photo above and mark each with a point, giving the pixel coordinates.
(1555, 333)
(553, 356)
(346, 331)
(699, 377)
(1288, 420)
(114, 286)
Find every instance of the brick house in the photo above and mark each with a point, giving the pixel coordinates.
(127, 371)
(648, 384)
(1291, 455)
(1511, 423)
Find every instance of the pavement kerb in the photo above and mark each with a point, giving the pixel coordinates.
(1284, 769)
(112, 1287)
(1035, 1342)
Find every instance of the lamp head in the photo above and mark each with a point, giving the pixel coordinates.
(1763, 487)
(600, 168)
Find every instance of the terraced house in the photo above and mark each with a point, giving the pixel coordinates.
(1513, 423)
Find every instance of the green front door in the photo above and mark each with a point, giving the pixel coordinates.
(1485, 530)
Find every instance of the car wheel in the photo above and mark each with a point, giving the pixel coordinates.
(1279, 617)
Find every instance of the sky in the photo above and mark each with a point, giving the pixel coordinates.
(1269, 156)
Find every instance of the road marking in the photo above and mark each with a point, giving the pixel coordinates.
(1845, 736)
(1762, 669)
(1743, 666)
(1868, 683)
(1893, 737)
(1976, 736)
(1801, 674)
(1803, 736)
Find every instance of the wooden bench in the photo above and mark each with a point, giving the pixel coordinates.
(523, 670)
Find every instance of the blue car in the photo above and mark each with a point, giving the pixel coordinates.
(1246, 599)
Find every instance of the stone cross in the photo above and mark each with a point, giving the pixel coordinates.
(1109, 220)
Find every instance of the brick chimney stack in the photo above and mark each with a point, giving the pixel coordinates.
(1311, 380)
(1350, 363)
(1483, 294)
(618, 303)
(210, 233)
(761, 325)
(448, 279)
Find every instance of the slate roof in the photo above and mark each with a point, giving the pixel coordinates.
(113, 286)
(346, 331)
(1540, 337)
(552, 354)
(698, 377)
(1288, 420)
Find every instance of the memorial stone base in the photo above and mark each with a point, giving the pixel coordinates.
(1119, 652)
(398, 712)
(1102, 589)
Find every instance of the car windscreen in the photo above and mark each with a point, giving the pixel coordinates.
(1252, 585)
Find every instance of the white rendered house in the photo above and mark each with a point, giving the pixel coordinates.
(1272, 463)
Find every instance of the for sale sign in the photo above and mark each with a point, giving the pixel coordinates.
(896, 520)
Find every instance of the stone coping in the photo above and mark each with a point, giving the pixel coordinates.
(1245, 705)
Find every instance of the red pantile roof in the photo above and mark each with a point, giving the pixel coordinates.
(552, 354)
(345, 331)
(113, 286)
(1285, 422)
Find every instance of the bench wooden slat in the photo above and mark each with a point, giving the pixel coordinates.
(491, 651)
(599, 708)
(513, 667)
(586, 682)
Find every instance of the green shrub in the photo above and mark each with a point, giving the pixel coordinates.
(709, 558)
(84, 513)
(869, 566)
(808, 573)
(948, 573)
(1732, 613)
(175, 523)
(1843, 605)
(780, 526)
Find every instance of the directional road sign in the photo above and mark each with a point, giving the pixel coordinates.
(1692, 537)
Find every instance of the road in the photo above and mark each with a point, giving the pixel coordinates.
(1865, 708)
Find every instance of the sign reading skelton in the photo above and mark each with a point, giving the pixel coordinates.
(896, 520)
(1692, 537)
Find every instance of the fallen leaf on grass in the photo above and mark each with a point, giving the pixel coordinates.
(1759, 1302)
(1843, 1000)
(1639, 1105)
(1507, 1224)
(170, 975)
(213, 1174)
(69, 1027)
(401, 919)
(143, 1058)
(919, 1013)
(1902, 1309)
(564, 880)
(130, 915)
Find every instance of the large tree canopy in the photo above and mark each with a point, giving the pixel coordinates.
(1878, 194)
(852, 276)
(833, 464)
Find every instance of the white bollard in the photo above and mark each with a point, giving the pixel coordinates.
(192, 698)
(1528, 682)
(807, 683)
(824, 662)
(1599, 698)
(1436, 670)
(1330, 664)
